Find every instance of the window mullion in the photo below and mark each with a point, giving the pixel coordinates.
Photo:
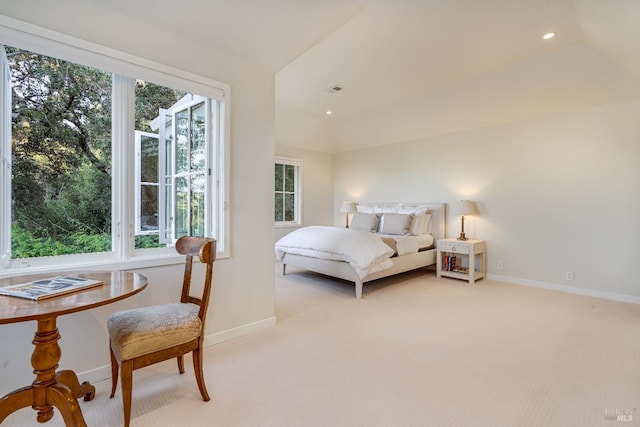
(138, 183)
(123, 153)
(5, 161)
(208, 144)
(164, 156)
(189, 171)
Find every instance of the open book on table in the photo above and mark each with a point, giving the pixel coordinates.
(48, 288)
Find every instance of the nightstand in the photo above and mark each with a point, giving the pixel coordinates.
(461, 259)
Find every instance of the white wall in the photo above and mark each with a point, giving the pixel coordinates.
(317, 186)
(294, 126)
(556, 194)
(243, 298)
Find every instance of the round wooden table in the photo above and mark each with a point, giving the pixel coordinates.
(51, 387)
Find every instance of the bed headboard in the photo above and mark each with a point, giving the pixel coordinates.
(437, 211)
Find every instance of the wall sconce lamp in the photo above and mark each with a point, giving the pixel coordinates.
(462, 208)
(347, 208)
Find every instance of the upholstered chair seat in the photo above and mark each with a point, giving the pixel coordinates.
(149, 329)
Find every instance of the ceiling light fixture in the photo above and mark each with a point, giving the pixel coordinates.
(329, 112)
(549, 35)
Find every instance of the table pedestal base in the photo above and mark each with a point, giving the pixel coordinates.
(50, 388)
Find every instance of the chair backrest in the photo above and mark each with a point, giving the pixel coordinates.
(205, 249)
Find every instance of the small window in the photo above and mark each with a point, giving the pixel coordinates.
(288, 192)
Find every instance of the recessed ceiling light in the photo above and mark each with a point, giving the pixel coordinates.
(329, 112)
(549, 36)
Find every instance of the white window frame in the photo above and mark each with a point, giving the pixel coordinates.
(138, 171)
(167, 214)
(5, 161)
(210, 117)
(297, 192)
(123, 255)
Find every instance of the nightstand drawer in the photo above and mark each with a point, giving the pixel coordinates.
(453, 247)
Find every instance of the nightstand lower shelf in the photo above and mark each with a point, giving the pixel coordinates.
(463, 276)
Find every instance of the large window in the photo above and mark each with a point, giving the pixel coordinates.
(59, 153)
(287, 192)
(72, 137)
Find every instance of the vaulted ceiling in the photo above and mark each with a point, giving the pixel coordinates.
(409, 69)
(414, 69)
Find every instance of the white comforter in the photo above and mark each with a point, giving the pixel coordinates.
(364, 251)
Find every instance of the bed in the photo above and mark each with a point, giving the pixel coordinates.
(366, 251)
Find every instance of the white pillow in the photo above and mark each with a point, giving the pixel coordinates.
(383, 209)
(420, 224)
(416, 210)
(365, 221)
(395, 223)
(365, 209)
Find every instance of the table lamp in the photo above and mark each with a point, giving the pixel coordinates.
(347, 208)
(462, 208)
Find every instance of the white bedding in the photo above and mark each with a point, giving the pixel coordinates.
(364, 251)
(406, 245)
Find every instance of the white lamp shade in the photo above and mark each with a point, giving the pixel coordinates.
(348, 207)
(464, 207)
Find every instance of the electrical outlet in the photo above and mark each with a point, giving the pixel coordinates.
(500, 265)
(568, 275)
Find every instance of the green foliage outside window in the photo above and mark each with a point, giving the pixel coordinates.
(285, 192)
(61, 154)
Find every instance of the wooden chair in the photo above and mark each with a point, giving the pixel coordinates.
(144, 336)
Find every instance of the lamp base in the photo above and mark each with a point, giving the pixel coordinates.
(462, 236)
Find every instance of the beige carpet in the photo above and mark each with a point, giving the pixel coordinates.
(415, 351)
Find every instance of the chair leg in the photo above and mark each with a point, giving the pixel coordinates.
(114, 372)
(127, 384)
(181, 364)
(197, 368)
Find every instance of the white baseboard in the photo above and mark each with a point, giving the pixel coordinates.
(239, 331)
(564, 288)
(104, 372)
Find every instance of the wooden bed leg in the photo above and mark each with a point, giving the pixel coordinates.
(359, 289)
(284, 269)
